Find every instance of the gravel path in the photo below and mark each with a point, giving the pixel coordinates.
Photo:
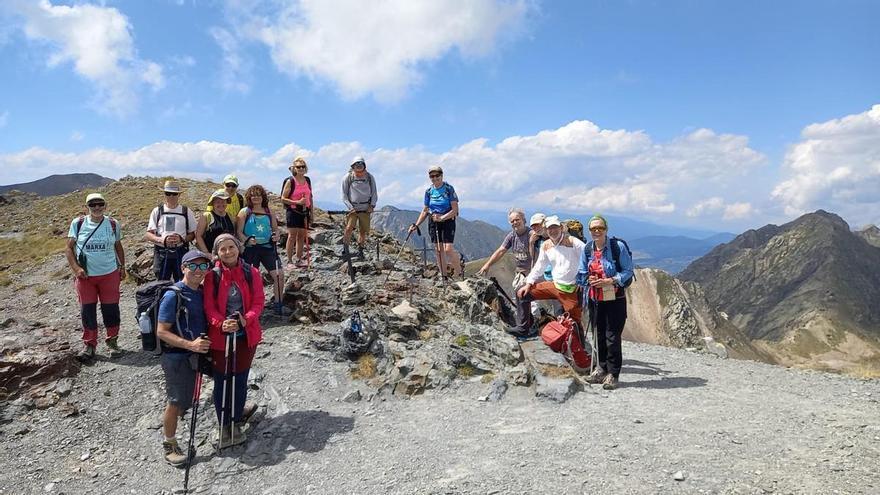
(724, 426)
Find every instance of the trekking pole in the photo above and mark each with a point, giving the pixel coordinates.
(592, 308)
(501, 290)
(308, 248)
(402, 247)
(197, 392)
(225, 387)
(439, 247)
(232, 406)
(279, 275)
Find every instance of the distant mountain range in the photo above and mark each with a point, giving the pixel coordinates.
(808, 289)
(58, 184)
(673, 253)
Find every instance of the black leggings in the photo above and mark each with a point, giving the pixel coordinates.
(610, 319)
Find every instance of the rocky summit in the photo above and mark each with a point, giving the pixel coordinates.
(429, 396)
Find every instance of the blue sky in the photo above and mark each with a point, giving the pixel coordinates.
(721, 115)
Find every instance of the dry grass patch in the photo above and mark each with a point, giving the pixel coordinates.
(365, 367)
(35, 247)
(557, 372)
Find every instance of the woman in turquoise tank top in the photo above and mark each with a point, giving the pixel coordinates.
(257, 228)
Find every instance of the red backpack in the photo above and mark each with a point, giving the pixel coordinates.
(560, 336)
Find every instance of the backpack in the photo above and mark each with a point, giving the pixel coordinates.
(575, 228)
(147, 298)
(283, 184)
(615, 254)
(82, 218)
(248, 277)
(561, 336)
(184, 213)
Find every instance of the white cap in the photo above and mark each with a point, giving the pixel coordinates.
(552, 220)
(537, 218)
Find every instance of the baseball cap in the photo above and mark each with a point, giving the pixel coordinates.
(537, 218)
(552, 220)
(94, 196)
(358, 159)
(194, 255)
(230, 178)
(435, 168)
(219, 193)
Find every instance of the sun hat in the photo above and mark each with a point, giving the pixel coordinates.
(358, 159)
(194, 254)
(94, 196)
(219, 193)
(537, 218)
(171, 186)
(552, 220)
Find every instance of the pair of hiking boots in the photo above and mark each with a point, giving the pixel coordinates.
(229, 436)
(87, 354)
(608, 381)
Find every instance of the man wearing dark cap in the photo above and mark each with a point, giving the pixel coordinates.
(182, 331)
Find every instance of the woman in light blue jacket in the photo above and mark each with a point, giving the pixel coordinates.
(605, 271)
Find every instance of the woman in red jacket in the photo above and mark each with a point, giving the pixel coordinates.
(233, 304)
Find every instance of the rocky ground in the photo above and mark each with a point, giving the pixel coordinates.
(446, 402)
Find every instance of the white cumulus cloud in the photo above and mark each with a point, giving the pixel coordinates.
(98, 42)
(836, 166)
(378, 48)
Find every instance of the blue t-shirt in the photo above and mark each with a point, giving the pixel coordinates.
(258, 225)
(101, 249)
(439, 200)
(192, 322)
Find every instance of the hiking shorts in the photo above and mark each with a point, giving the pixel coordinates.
(180, 379)
(361, 219)
(445, 229)
(255, 255)
(295, 219)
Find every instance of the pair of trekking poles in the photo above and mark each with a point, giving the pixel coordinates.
(197, 392)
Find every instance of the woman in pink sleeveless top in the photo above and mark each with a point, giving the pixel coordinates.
(297, 198)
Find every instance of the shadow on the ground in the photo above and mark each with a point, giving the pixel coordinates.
(666, 382)
(304, 431)
(635, 367)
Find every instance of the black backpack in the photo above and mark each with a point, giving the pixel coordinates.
(147, 298)
(615, 254)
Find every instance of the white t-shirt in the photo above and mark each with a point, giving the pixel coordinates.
(172, 221)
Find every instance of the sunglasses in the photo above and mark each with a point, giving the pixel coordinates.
(97, 205)
(434, 176)
(203, 266)
(597, 229)
(172, 194)
(231, 185)
(299, 167)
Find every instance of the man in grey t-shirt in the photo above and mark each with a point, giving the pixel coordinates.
(517, 241)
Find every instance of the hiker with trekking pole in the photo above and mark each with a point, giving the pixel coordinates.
(297, 196)
(517, 241)
(360, 196)
(257, 229)
(441, 209)
(234, 301)
(182, 333)
(96, 258)
(605, 271)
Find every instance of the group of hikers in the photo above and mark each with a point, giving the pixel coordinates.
(219, 290)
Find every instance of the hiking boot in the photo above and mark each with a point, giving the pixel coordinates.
(609, 383)
(173, 454)
(597, 376)
(249, 409)
(230, 436)
(87, 354)
(113, 345)
(361, 252)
